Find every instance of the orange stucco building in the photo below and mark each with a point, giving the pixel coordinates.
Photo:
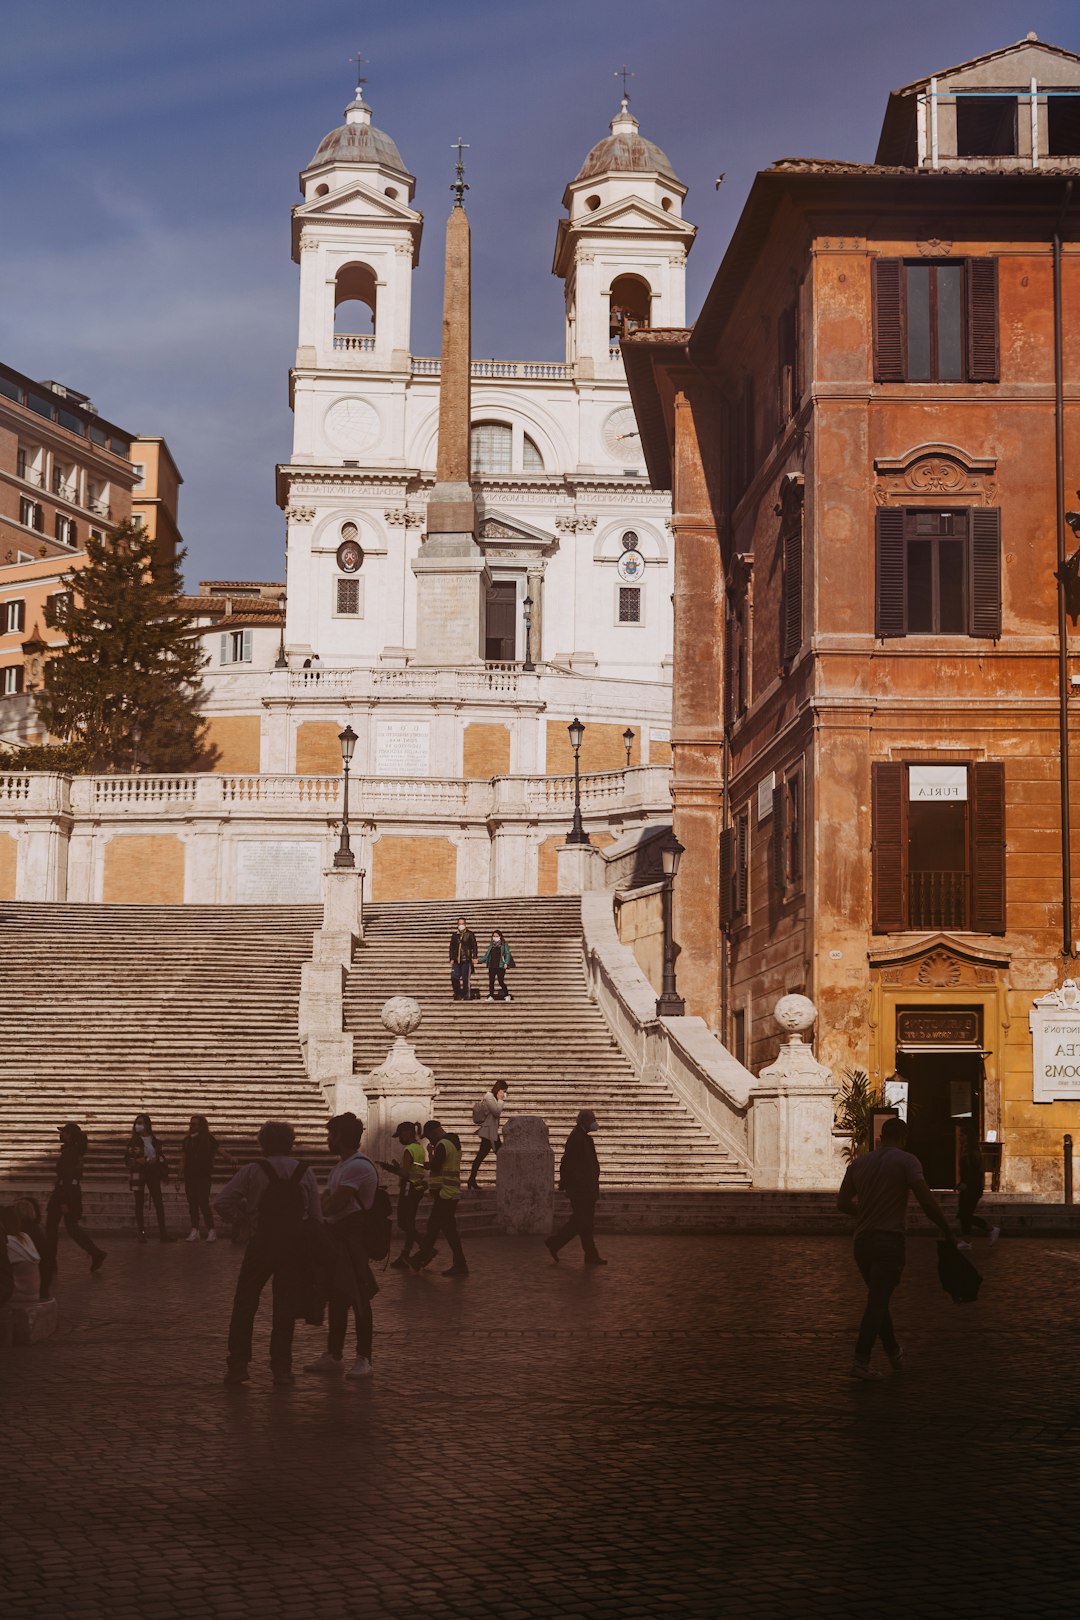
(869, 433)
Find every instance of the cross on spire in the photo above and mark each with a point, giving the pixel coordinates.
(361, 61)
(459, 186)
(624, 73)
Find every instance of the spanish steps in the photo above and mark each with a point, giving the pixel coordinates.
(111, 1010)
(551, 1043)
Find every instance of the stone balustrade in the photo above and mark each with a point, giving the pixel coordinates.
(522, 370)
(353, 343)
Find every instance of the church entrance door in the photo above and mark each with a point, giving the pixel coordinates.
(500, 645)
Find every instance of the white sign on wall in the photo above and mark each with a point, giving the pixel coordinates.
(1054, 1022)
(276, 873)
(937, 782)
(402, 748)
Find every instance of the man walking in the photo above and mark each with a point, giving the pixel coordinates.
(579, 1178)
(462, 959)
(444, 1180)
(278, 1194)
(875, 1190)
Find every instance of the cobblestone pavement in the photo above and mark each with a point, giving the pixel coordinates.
(674, 1435)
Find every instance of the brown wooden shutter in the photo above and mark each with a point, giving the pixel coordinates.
(986, 571)
(890, 572)
(778, 862)
(887, 854)
(742, 864)
(727, 869)
(988, 848)
(791, 628)
(730, 667)
(982, 320)
(889, 357)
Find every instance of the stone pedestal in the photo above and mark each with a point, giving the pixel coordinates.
(33, 1319)
(326, 1044)
(579, 868)
(401, 1088)
(525, 1178)
(792, 1108)
(343, 904)
(451, 597)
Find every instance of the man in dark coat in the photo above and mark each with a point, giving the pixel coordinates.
(462, 959)
(579, 1178)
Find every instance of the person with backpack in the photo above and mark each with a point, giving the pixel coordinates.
(348, 1205)
(485, 1115)
(412, 1181)
(497, 958)
(444, 1181)
(279, 1196)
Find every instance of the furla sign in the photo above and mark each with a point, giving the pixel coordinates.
(1054, 1021)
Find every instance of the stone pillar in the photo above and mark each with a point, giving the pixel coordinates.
(792, 1109)
(525, 1177)
(579, 868)
(326, 1044)
(401, 1088)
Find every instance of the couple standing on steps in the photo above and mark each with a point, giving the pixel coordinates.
(463, 957)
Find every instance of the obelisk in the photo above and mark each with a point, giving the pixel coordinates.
(451, 575)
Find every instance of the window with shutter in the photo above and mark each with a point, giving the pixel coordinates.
(348, 596)
(890, 573)
(982, 320)
(778, 846)
(224, 649)
(793, 792)
(988, 848)
(887, 850)
(246, 646)
(13, 617)
(791, 590)
(741, 898)
(986, 571)
(888, 293)
(727, 876)
(11, 680)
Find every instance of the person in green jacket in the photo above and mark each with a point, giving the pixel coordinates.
(497, 958)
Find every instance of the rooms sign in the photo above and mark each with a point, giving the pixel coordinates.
(1054, 1022)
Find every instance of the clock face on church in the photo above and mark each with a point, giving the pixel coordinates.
(352, 426)
(622, 441)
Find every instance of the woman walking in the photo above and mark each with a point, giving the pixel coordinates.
(486, 1116)
(147, 1168)
(497, 958)
(198, 1152)
(65, 1204)
(412, 1181)
(972, 1181)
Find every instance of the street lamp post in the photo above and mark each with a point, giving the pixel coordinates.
(628, 743)
(343, 855)
(669, 1004)
(282, 661)
(526, 609)
(577, 834)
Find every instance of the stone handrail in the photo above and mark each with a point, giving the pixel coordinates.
(713, 1085)
(526, 370)
(354, 342)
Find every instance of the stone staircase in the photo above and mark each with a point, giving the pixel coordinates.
(551, 1043)
(106, 1011)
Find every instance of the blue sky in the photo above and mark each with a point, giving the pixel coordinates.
(151, 153)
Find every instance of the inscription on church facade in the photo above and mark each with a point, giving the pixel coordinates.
(272, 872)
(402, 748)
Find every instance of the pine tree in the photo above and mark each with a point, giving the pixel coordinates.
(126, 686)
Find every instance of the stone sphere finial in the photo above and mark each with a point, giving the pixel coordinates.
(401, 1015)
(795, 1014)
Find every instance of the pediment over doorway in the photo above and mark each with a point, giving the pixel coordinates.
(503, 536)
(940, 962)
(935, 471)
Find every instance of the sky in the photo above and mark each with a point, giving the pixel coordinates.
(151, 153)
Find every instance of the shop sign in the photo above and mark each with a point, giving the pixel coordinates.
(1054, 1022)
(932, 1026)
(937, 783)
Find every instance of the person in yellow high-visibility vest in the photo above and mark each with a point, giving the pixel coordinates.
(412, 1181)
(444, 1182)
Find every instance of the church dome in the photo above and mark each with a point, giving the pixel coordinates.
(358, 141)
(624, 151)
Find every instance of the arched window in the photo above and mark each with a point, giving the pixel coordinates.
(631, 307)
(493, 449)
(354, 299)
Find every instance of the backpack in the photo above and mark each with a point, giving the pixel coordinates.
(281, 1207)
(378, 1225)
(479, 1111)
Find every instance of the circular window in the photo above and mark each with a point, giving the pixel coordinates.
(630, 541)
(391, 192)
(666, 205)
(349, 531)
(322, 191)
(592, 203)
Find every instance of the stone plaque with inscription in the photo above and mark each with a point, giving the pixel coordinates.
(271, 872)
(402, 748)
(939, 1026)
(1054, 1022)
